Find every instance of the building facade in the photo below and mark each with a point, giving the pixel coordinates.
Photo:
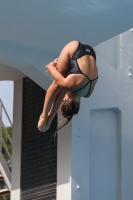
(91, 157)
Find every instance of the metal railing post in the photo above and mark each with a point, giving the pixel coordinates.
(3, 128)
(4, 197)
(4, 168)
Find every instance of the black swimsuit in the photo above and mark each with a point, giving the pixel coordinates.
(82, 50)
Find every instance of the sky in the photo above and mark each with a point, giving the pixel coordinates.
(6, 95)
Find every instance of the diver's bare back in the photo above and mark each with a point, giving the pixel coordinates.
(85, 64)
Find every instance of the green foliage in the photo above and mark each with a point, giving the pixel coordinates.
(9, 147)
(7, 142)
(7, 197)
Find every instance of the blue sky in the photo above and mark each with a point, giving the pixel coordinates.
(6, 95)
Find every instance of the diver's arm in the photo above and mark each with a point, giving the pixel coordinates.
(61, 81)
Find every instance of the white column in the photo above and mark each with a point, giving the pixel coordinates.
(64, 163)
(16, 153)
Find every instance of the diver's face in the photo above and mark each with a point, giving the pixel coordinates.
(67, 97)
(71, 96)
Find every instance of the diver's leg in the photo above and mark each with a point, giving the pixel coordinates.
(50, 97)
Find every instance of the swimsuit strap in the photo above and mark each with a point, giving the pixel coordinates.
(85, 74)
(82, 87)
(90, 81)
(94, 79)
(82, 72)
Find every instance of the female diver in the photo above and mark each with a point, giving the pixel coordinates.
(75, 74)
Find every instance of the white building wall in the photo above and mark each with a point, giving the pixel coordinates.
(102, 132)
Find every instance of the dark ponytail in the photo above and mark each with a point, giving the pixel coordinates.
(67, 110)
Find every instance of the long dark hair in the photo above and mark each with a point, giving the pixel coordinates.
(67, 110)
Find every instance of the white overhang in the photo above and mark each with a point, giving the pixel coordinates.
(32, 33)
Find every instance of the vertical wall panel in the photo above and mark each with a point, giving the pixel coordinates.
(39, 150)
(105, 145)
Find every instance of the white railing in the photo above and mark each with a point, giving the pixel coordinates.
(4, 167)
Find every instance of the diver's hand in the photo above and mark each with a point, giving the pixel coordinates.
(52, 64)
(55, 62)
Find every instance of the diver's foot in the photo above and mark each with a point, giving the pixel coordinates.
(42, 124)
